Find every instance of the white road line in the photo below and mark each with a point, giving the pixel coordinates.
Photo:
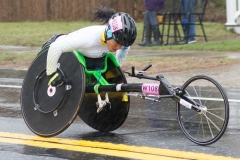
(10, 86)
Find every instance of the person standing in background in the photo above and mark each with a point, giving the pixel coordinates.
(188, 21)
(151, 22)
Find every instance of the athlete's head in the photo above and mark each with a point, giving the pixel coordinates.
(122, 29)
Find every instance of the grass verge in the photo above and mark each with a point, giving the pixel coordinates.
(35, 33)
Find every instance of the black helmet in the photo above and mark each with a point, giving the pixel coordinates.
(123, 28)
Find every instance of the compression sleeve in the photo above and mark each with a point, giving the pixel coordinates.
(121, 54)
(54, 53)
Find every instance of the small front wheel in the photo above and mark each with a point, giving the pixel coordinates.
(208, 125)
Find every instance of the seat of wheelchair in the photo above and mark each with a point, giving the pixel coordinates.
(93, 64)
(98, 66)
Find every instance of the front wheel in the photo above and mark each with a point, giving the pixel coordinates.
(207, 126)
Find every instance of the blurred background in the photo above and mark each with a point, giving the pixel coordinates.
(71, 10)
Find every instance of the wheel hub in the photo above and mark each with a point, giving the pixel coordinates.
(203, 110)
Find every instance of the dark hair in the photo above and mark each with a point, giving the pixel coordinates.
(102, 14)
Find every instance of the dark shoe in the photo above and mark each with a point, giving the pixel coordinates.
(148, 31)
(155, 43)
(156, 34)
(182, 42)
(190, 41)
(144, 43)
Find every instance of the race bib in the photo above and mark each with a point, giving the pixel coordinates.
(149, 88)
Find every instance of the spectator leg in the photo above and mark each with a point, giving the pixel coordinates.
(148, 30)
(156, 36)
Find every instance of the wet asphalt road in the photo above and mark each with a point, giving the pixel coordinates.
(148, 124)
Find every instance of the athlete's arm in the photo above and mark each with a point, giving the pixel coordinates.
(65, 43)
(54, 53)
(121, 54)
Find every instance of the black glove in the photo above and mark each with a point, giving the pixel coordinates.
(57, 80)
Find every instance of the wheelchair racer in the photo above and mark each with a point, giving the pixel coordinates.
(94, 41)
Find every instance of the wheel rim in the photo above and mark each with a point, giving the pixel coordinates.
(209, 125)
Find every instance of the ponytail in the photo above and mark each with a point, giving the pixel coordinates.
(102, 14)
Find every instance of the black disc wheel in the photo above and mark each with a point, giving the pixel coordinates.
(49, 110)
(208, 125)
(107, 119)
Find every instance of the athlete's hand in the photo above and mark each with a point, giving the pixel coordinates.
(57, 80)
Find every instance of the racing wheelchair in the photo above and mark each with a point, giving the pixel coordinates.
(97, 91)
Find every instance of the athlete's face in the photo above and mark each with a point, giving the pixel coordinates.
(113, 46)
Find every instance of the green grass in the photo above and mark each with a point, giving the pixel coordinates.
(35, 33)
(222, 45)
